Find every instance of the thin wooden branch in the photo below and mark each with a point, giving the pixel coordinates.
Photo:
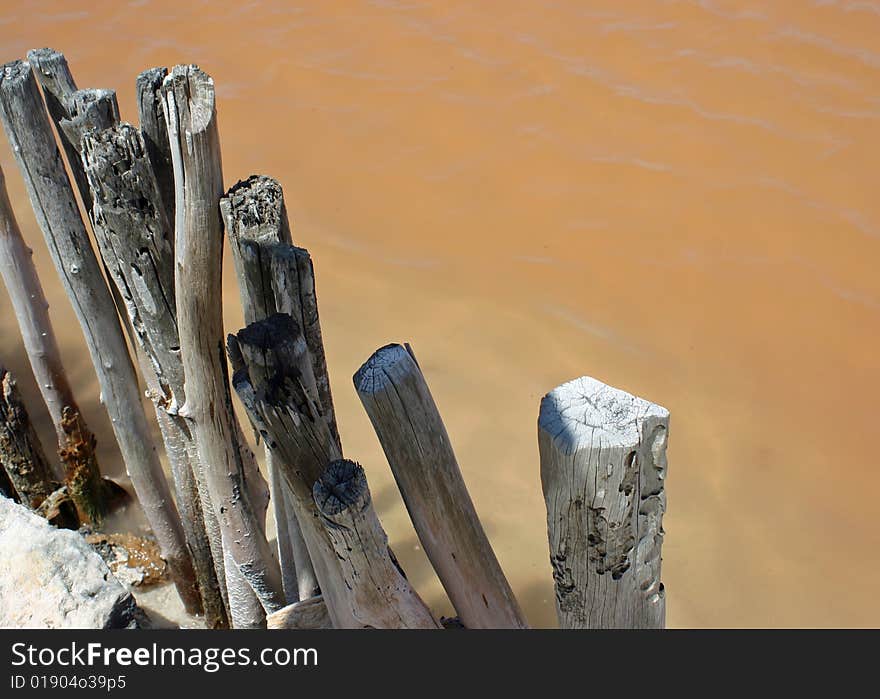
(136, 243)
(603, 465)
(273, 377)
(192, 127)
(30, 134)
(400, 406)
(76, 444)
(255, 218)
(380, 595)
(148, 89)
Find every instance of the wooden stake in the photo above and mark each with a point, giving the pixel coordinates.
(380, 595)
(255, 219)
(400, 406)
(603, 464)
(76, 444)
(136, 242)
(20, 451)
(293, 279)
(192, 127)
(30, 134)
(151, 116)
(273, 377)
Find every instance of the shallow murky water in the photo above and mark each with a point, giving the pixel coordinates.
(676, 197)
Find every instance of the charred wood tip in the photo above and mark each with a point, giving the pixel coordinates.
(342, 485)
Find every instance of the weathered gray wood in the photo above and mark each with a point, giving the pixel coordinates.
(400, 406)
(255, 218)
(293, 281)
(273, 378)
(76, 444)
(58, 85)
(148, 89)
(603, 465)
(380, 595)
(189, 104)
(137, 244)
(308, 614)
(73, 112)
(30, 134)
(21, 453)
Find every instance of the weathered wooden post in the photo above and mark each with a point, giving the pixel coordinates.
(137, 245)
(154, 130)
(30, 134)
(274, 379)
(256, 219)
(76, 444)
(195, 148)
(400, 406)
(381, 596)
(603, 465)
(22, 457)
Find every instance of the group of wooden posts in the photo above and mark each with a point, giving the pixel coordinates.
(154, 201)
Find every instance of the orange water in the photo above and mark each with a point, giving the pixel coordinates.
(678, 198)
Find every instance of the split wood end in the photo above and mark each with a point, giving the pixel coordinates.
(585, 410)
(378, 371)
(341, 486)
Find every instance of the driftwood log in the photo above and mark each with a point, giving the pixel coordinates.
(191, 119)
(256, 219)
(603, 465)
(30, 134)
(273, 377)
(400, 406)
(137, 245)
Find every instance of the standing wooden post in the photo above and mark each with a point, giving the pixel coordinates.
(76, 444)
(23, 463)
(195, 147)
(293, 279)
(256, 218)
(30, 134)
(137, 244)
(21, 454)
(381, 596)
(400, 406)
(273, 378)
(148, 89)
(603, 465)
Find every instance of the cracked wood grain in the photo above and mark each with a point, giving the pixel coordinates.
(603, 466)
